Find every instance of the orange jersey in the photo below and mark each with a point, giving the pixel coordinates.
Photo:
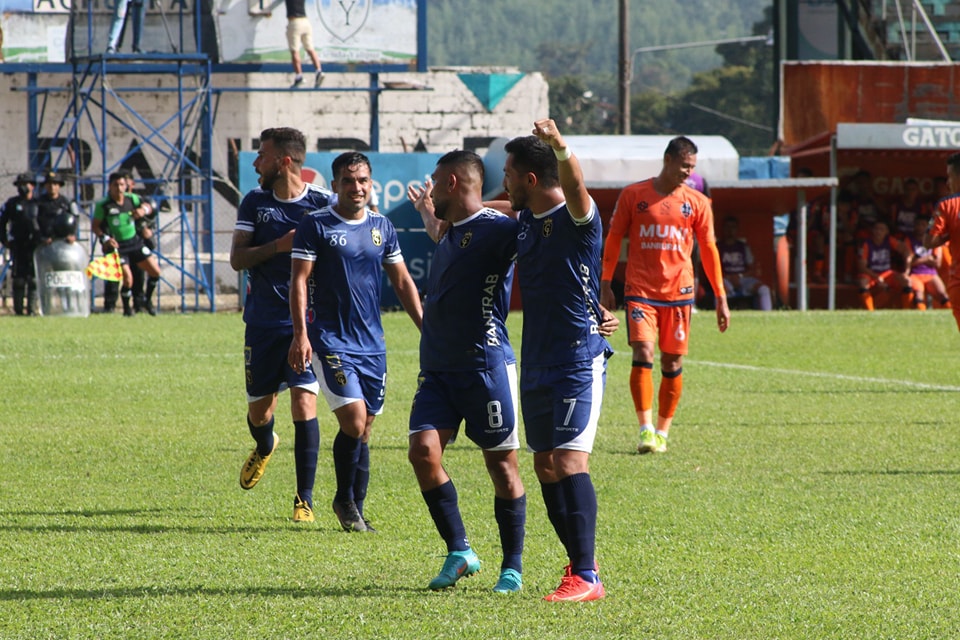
(946, 222)
(660, 231)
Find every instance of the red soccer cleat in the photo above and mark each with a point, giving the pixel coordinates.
(573, 588)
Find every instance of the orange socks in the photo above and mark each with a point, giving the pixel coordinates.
(671, 386)
(641, 386)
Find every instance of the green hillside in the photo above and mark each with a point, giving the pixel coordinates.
(575, 44)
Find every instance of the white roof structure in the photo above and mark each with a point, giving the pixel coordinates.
(616, 161)
(613, 162)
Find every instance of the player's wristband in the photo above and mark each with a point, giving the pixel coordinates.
(563, 154)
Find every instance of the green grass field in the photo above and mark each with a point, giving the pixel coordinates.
(811, 490)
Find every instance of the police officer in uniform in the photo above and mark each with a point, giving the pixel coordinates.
(57, 215)
(20, 232)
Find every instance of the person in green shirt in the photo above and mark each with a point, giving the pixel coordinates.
(115, 224)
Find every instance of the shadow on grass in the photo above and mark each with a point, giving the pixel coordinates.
(89, 513)
(893, 472)
(147, 529)
(53, 517)
(116, 593)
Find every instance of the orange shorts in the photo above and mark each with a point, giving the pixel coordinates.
(668, 326)
(922, 282)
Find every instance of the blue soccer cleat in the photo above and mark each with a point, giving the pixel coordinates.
(459, 564)
(510, 582)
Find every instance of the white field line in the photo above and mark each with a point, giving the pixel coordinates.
(832, 376)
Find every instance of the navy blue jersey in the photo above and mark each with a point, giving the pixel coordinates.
(468, 295)
(268, 218)
(343, 291)
(558, 262)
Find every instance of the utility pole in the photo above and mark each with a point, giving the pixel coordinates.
(624, 71)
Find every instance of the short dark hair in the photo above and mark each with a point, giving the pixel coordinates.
(118, 175)
(463, 158)
(291, 142)
(349, 159)
(532, 154)
(954, 161)
(679, 147)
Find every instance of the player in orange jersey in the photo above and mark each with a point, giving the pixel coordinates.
(660, 217)
(945, 228)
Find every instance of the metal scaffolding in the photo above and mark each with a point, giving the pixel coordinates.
(181, 138)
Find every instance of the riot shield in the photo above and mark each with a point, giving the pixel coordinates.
(61, 281)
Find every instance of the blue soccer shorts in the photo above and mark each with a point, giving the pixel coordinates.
(265, 363)
(561, 404)
(345, 379)
(485, 401)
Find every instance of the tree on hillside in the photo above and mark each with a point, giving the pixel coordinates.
(578, 109)
(734, 100)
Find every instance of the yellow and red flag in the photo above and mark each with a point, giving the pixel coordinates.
(106, 268)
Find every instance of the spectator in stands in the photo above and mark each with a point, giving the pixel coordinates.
(922, 267)
(300, 32)
(876, 273)
(736, 262)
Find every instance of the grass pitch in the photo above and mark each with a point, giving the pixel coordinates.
(811, 490)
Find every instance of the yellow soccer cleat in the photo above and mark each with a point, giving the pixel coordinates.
(253, 468)
(302, 512)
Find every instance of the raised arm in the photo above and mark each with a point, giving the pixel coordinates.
(423, 203)
(571, 177)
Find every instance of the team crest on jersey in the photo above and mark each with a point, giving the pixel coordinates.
(376, 236)
(686, 209)
(465, 240)
(643, 205)
(547, 228)
(344, 19)
(333, 361)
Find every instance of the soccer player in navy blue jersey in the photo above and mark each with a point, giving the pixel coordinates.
(564, 352)
(339, 254)
(262, 241)
(467, 366)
